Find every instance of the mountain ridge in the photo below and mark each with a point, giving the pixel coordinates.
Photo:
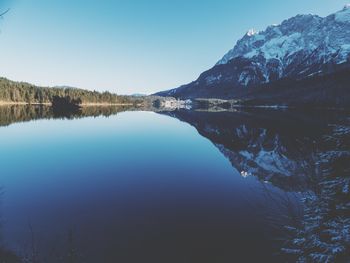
(300, 47)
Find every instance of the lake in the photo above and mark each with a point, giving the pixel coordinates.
(171, 186)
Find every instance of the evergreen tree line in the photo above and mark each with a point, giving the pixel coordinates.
(11, 91)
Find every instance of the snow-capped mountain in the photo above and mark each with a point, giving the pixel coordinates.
(308, 38)
(328, 37)
(300, 47)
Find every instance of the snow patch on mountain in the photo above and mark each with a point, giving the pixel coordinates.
(347, 6)
(344, 15)
(212, 79)
(279, 47)
(252, 32)
(294, 47)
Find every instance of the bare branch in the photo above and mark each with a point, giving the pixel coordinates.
(2, 14)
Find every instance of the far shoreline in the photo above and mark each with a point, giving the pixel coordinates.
(22, 103)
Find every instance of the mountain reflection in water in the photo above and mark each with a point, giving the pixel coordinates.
(276, 146)
(182, 201)
(304, 151)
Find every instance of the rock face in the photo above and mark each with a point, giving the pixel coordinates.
(301, 47)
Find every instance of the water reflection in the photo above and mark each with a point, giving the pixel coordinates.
(162, 193)
(6, 255)
(277, 146)
(10, 114)
(296, 151)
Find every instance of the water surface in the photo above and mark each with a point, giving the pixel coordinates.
(148, 187)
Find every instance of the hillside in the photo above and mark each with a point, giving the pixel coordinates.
(21, 92)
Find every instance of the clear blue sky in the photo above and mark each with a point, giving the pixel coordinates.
(131, 46)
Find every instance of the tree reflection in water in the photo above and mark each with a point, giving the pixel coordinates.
(304, 155)
(10, 114)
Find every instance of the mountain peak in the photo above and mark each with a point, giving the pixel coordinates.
(343, 16)
(301, 33)
(300, 47)
(252, 32)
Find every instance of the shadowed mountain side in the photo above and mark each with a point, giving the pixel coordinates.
(276, 146)
(326, 91)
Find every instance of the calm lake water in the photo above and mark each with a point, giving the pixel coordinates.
(179, 186)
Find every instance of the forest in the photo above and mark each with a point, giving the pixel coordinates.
(21, 92)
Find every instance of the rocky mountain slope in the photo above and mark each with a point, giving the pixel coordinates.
(302, 47)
